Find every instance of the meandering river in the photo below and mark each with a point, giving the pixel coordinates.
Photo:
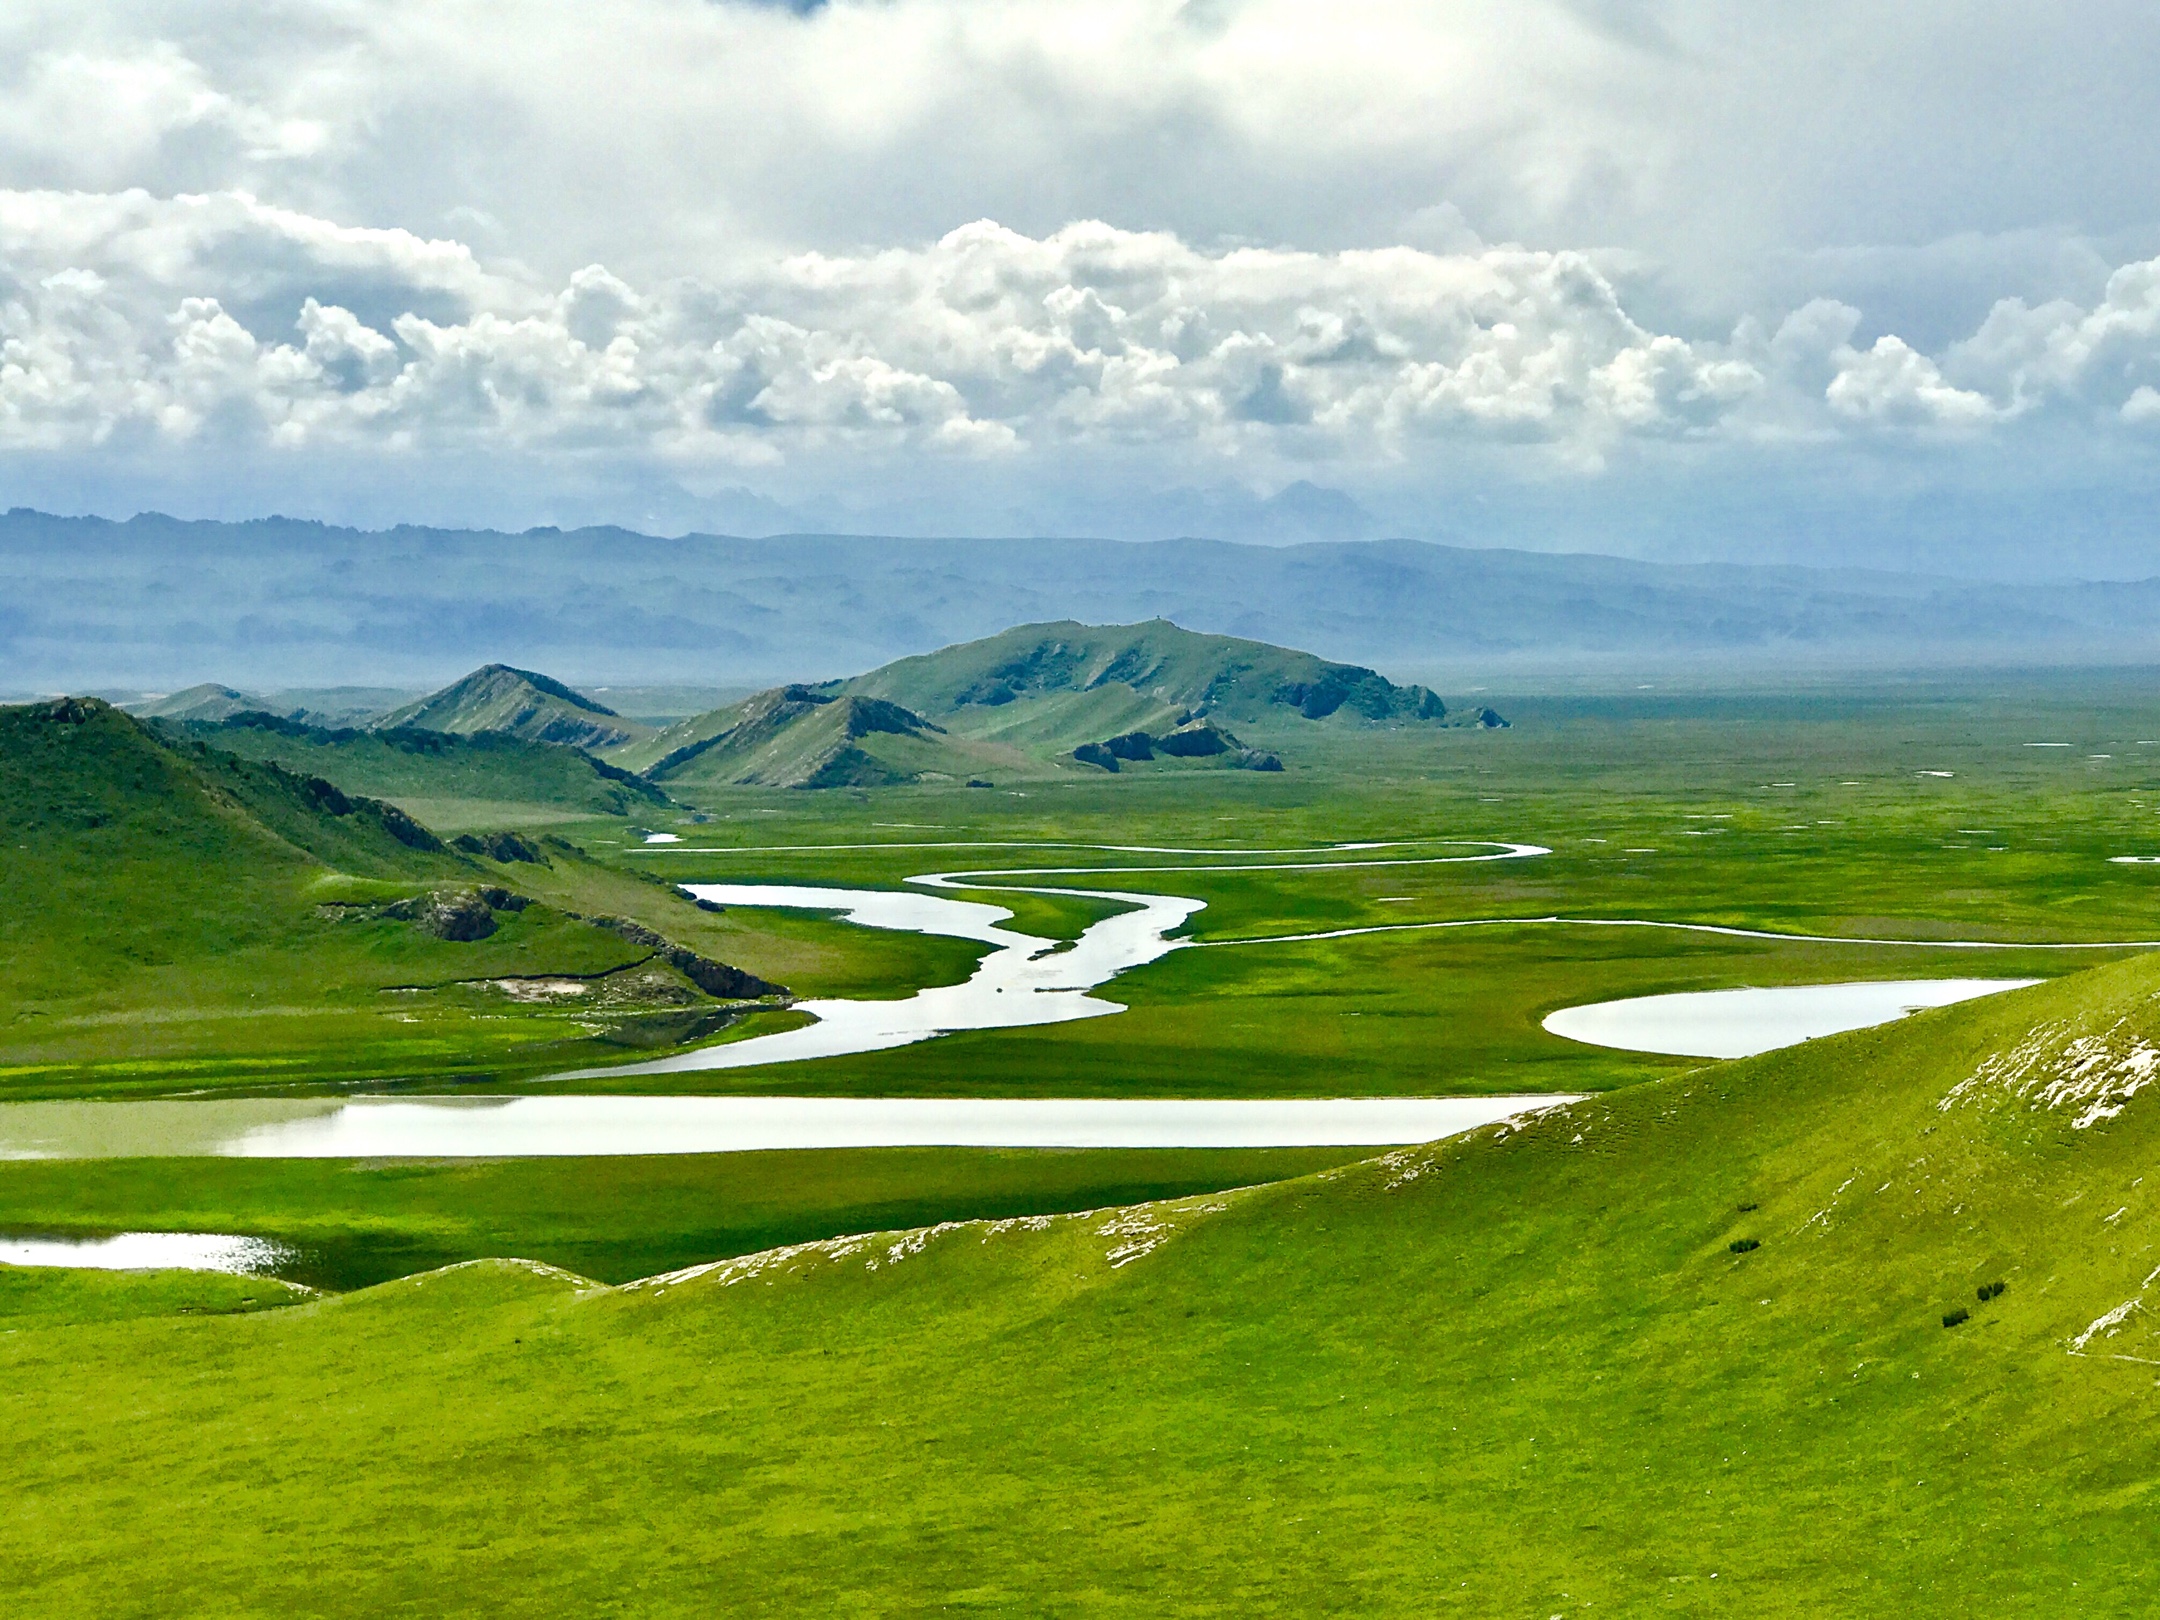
(1023, 979)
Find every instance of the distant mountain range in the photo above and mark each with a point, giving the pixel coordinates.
(156, 603)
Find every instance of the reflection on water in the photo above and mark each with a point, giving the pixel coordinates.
(523, 1127)
(148, 1251)
(548, 1126)
(1741, 1023)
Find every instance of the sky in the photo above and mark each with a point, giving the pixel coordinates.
(1833, 283)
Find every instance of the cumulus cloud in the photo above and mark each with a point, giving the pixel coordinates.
(223, 318)
(724, 239)
(221, 314)
(1892, 383)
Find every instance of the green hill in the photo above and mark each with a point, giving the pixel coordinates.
(1056, 689)
(1144, 672)
(1031, 701)
(526, 705)
(797, 737)
(1726, 1344)
(177, 916)
(122, 852)
(417, 766)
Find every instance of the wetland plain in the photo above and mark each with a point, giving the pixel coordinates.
(256, 1093)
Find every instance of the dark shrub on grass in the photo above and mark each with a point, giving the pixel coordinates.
(1743, 1245)
(1953, 1318)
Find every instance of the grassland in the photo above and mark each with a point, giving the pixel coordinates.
(1805, 813)
(1799, 813)
(180, 919)
(1525, 1372)
(351, 1225)
(437, 770)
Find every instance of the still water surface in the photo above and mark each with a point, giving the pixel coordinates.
(541, 1127)
(1741, 1023)
(147, 1251)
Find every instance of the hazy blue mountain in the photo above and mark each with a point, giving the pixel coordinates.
(204, 701)
(157, 603)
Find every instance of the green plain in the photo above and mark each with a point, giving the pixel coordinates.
(1525, 1371)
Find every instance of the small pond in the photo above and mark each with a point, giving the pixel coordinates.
(1741, 1023)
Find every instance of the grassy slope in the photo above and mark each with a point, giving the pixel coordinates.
(32, 1297)
(412, 768)
(496, 697)
(790, 737)
(207, 702)
(1521, 1373)
(1860, 843)
(1046, 664)
(162, 931)
(1008, 705)
(97, 815)
(611, 1218)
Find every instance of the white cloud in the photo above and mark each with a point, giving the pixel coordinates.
(223, 317)
(1893, 384)
(128, 311)
(1343, 243)
(665, 137)
(2059, 352)
(100, 116)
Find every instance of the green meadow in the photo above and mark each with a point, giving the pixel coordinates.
(1526, 1371)
(1680, 1347)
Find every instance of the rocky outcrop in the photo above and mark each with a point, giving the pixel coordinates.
(714, 978)
(504, 847)
(458, 915)
(1363, 692)
(1196, 739)
(325, 796)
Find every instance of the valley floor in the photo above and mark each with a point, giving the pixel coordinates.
(1524, 1372)
(1690, 1345)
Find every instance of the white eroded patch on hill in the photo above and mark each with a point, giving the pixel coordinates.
(2054, 1068)
(1133, 1231)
